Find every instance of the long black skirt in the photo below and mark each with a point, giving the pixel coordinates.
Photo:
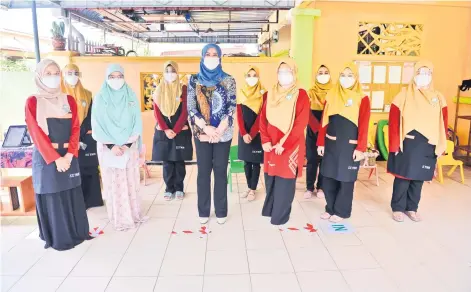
(62, 219)
(91, 186)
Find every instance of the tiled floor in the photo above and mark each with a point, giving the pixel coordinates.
(247, 254)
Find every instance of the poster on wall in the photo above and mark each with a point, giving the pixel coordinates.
(150, 81)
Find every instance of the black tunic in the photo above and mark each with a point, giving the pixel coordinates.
(253, 151)
(338, 162)
(311, 138)
(179, 148)
(417, 160)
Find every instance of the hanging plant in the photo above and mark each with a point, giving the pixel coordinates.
(58, 40)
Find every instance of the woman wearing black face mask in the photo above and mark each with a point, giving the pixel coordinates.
(172, 137)
(211, 107)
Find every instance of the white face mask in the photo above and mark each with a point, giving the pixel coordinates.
(422, 80)
(323, 79)
(71, 80)
(170, 77)
(347, 82)
(116, 84)
(211, 62)
(51, 81)
(251, 81)
(285, 78)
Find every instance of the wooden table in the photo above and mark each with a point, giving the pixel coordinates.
(22, 202)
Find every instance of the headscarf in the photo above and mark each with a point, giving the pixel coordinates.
(82, 96)
(318, 91)
(429, 104)
(50, 102)
(343, 101)
(167, 95)
(116, 114)
(208, 77)
(281, 103)
(252, 96)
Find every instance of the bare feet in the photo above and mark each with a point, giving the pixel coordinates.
(251, 196)
(325, 216)
(308, 195)
(414, 216)
(320, 194)
(335, 219)
(245, 194)
(398, 216)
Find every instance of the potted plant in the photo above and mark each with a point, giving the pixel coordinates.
(58, 40)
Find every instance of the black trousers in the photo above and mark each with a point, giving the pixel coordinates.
(212, 157)
(406, 195)
(174, 174)
(339, 197)
(278, 200)
(252, 174)
(91, 186)
(313, 168)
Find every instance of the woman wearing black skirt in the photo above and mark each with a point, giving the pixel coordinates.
(317, 93)
(53, 123)
(249, 104)
(415, 141)
(172, 137)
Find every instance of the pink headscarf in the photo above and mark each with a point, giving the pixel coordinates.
(51, 102)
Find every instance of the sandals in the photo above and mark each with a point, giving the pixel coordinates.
(245, 194)
(251, 195)
(168, 196)
(398, 216)
(414, 216)
(335, 219)
(320, 194)
(325, 216)
(308, 194)
(179, 195)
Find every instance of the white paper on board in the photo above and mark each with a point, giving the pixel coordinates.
(395, 74)
(377, 100)
(379, 73)
(365, 73)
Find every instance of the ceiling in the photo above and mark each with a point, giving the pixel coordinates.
(174, 21)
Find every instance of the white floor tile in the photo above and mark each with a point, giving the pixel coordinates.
(264, 239)
(369, 280)
(227, 283)
(275, 283)
(222, 262)
(37, 284)
(268, 261)
(126, 284)
(309, 259)
(353, 258)
(8, 281)
(179, 284)
(97, 265)
(140, 264)
(325, 281)
(183, 262)
(77, 284)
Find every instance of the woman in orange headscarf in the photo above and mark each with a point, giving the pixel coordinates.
(283, 120)
(88, 159)
(415, 141)
(249, 105)
(317, 93)
(342, 141)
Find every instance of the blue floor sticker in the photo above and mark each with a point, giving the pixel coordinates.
(342, 227)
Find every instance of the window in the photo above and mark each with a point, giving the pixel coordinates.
(389, 39)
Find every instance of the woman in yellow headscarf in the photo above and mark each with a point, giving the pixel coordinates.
(415, 140)
(342, 141)
(317, 93)
(88, 159)
(284, 118)
(172, 137)
(249, 105)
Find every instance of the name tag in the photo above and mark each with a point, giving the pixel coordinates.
(66, 108)
(349, 102)
(84, 103)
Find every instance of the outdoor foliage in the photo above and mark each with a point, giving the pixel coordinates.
(7, 65)
(58, 30)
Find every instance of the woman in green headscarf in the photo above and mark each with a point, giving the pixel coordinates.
(117, 127)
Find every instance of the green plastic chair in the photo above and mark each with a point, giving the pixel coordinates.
(235, 165)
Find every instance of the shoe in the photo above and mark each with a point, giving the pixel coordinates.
(320, 194)
(221, 220)
(398, 216)
(307, 194)
(414, 216)
(335, 219)
(168, 196)
(204, 220)
(251, 196)
(179, 195)
(325, 216)
(245, 194)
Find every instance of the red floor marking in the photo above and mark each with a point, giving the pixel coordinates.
(310, 228)
(293, 229)
(95, 232)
